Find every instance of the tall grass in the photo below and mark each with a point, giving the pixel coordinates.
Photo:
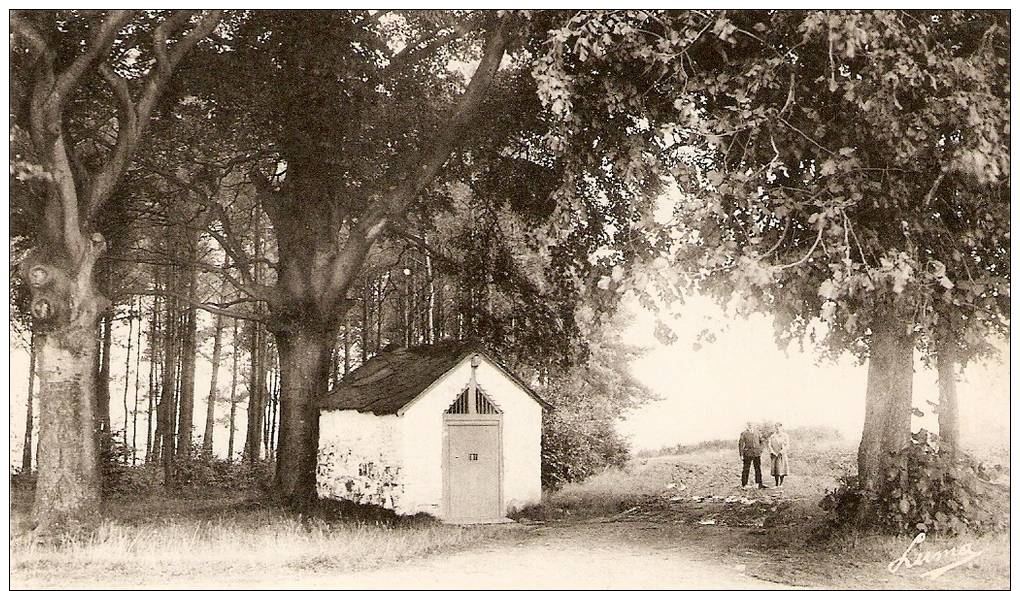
(253, 541)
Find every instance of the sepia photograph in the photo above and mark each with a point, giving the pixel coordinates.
(509, 298)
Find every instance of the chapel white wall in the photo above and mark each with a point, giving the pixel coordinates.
(360, 459)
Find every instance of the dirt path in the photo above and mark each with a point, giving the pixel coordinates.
(576, 556)
(567, 559)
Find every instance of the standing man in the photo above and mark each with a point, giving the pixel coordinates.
(750, 453)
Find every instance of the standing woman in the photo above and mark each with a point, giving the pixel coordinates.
(779, 449)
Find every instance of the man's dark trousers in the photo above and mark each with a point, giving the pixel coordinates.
(748, 460)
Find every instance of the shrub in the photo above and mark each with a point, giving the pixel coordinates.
(922, 490)
(575, 447)
(113, 472)
(344, 511)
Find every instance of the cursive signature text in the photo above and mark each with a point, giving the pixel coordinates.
(914, 557)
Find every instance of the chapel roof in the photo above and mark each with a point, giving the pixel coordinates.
(392, 379)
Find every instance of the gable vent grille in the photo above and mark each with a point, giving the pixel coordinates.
(483, 405)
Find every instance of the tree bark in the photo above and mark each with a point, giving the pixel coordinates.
(888, 399)
(26, 452)
(210, 410)
(304, 365)
(379, 297)
(949, 413)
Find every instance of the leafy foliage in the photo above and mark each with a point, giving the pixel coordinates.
(576, 445)
(579, 435)
(825, 161)
(923, 491)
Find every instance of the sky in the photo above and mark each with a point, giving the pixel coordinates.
(708, 393)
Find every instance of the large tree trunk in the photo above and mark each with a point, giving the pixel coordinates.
(889, 395)
(304, 371)
(26, 452)
(65, 309)
(949, 413)
(210, 410)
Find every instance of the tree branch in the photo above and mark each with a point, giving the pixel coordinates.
(411, 55)
(129, 138)
(368, 229)
(127, 123)
(818, 239)
(227, 238)
(21, 26)
(215, 308)
(96, 49)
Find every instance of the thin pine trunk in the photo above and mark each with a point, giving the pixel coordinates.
(256, 399)
(166, 410)
(378, 315)
(127, 376)
(233, 395)
(151, 449)
(189, 346)
(26, 453)
(253, 438)
(266, 420)
(274, 397)
(138, 374)
(347, 345)
(333, 368)
(210, 410)
(364, 323)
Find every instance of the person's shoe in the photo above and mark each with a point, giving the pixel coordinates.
(762, 486)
